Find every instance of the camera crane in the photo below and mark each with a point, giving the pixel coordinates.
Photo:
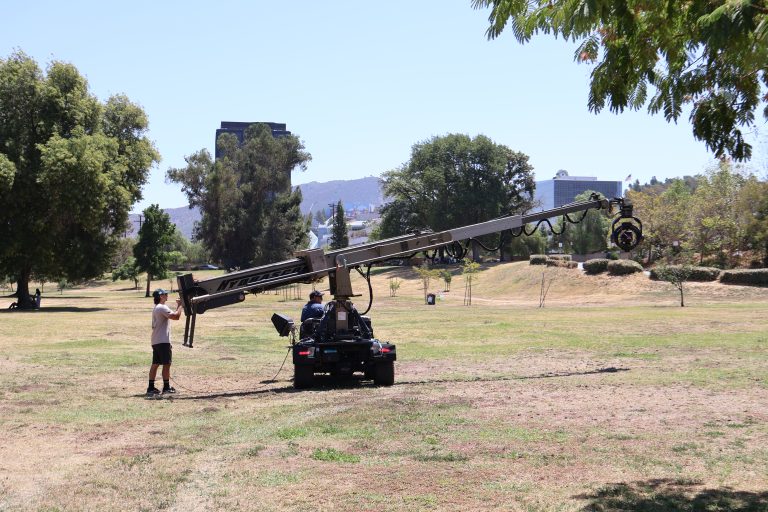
(343, 342)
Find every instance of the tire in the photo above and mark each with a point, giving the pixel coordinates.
(384, 374)
(303, 376)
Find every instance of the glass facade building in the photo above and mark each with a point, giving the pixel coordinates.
(238, 129)
(563, 189)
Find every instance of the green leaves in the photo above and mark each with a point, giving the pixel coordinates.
(455, 180)
(7, 175)
(250, 216)
(710, 56)
(70, 168)
(153, 246)
(339, 232)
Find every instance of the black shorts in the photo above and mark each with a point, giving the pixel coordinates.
(161, 353)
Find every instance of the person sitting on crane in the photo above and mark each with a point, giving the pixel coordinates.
(313, 308)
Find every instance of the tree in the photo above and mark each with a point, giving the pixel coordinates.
(711, 56)
(525, 245)
(468, 268)
(713, 220)
(426, 274)
(753, 206)
(664, 210)
(70, 169)
(320, 216)
(447, 277)
(128, 270)
(677, 275)
(590, 234)
(455, 180)
(250, 216)
(339, 233)
(153, 246)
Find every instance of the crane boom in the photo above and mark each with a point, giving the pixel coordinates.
(199, 296)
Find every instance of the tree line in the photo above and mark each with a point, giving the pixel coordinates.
(72, 166)
(718, 218)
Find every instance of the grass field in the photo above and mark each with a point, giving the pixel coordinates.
(611, 397)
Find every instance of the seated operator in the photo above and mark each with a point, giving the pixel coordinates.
(313, 308)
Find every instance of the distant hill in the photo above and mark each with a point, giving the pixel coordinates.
(355, 194)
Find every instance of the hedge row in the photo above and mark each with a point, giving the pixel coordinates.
(623, 267)
(596, 266)
(697, 273)
(613, 267)
(553, 260)
(562, 263)
(756, 277)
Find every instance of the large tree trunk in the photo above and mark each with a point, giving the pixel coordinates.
(149, 280)
(475, 251)
(24, 300)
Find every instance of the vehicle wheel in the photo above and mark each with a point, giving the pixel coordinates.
(303, 376)
(384, 374)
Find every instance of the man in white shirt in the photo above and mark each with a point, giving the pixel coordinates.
(161, 341)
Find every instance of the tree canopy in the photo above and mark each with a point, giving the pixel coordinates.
(711, 55)
(339, 232)
(588, 235)
(154, 244)
(721, 216)
(70, 169)
(455, 180)
(250, 216)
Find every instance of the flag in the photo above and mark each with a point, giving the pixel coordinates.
(628, 178)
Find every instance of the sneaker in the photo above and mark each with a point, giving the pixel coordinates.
(152, 392)
(169, 389)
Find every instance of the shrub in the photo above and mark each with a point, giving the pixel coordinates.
(596, 266)
(560, 257)
(623, 267)
(538, 259)
(696, 273)
(756, 277)
(561, 263)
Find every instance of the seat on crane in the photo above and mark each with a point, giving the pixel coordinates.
(308, 327)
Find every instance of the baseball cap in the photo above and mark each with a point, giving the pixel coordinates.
(315, 293)
(159, 292)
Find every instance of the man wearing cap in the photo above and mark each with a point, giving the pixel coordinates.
(161, 341)
(313, 308)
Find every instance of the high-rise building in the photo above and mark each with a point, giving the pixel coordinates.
(563, 189)
(238, 129)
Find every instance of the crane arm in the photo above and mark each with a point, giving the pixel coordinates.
(199, 296)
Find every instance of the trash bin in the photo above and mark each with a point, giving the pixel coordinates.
(430, 299)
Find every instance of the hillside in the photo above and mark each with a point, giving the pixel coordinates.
(361, 193)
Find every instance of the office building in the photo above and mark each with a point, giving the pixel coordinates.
(238, 129)
(563, 189)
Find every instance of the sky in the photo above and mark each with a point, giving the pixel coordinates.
(358, 82)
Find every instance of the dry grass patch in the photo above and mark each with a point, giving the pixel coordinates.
(610, 397)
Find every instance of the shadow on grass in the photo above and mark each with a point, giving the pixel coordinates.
(322, 383)
(547, 375)
(667, 495)
(55, 309)
(330, 383)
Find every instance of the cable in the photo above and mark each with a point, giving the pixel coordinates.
(263, 384)
(367, 278)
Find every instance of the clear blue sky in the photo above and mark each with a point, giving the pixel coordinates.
(358, 82)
